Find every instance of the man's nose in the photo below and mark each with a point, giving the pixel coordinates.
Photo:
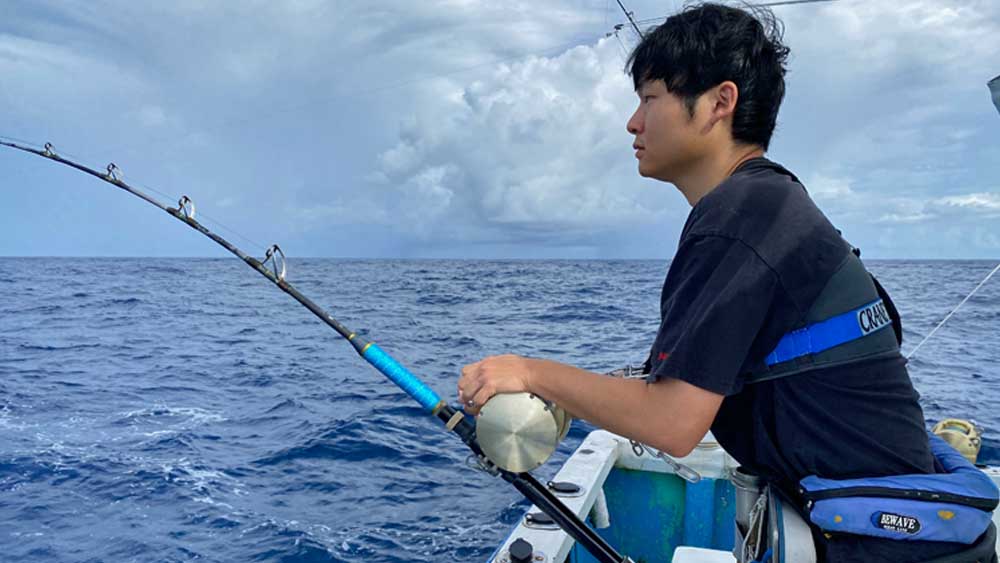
(634, 124)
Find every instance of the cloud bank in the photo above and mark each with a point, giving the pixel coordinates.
(472, 128)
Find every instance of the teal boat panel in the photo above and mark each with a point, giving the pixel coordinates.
(709, 513)
(644, 505)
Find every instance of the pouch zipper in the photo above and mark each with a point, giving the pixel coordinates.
(986, 505)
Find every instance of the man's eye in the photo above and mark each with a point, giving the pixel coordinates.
(646, 99)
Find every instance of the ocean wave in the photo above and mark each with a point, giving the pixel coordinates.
(41, 310)
(162, 269)
(188, 416)
(129, 301)
(349, 449)
(445, 300)
(279, 542)
(583, 311)
(53, 348)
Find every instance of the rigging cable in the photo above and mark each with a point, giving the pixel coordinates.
(628, 14)
(762, 4)
(948, 316)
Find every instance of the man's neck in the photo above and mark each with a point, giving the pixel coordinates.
(713, 170)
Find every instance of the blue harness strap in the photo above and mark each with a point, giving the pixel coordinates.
(841, 329)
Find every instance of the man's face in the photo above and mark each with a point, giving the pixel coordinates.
(667, 139)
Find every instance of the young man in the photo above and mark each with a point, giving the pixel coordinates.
(756, 260)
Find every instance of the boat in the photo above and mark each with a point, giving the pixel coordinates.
(642, 507)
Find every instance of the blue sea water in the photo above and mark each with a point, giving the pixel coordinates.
(186, 410)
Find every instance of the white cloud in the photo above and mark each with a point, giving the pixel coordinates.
(875, 40)
(823, 187)
(908, 218)
(985, 203)
(540, 144)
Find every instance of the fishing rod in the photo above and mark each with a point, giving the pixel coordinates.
(273, 267)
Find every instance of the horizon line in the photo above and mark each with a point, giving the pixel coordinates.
(425, 258)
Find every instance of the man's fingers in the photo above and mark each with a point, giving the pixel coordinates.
(474, 395)
(478, 384)
(484, 394)
(466, 383)
(467, 389)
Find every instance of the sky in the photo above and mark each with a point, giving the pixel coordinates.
(467, 128)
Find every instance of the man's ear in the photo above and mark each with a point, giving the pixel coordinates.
(722, 102)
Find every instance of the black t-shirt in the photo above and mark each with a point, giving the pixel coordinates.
(753, 256)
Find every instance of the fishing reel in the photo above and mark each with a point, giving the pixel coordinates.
(520, 431)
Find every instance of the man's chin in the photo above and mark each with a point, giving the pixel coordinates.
(647, 171)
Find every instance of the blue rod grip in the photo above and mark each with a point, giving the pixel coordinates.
(401, 376)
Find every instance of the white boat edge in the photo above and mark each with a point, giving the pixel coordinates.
(589, 466)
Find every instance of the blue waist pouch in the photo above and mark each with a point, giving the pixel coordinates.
(951, 507)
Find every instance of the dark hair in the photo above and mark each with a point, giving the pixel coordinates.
(707, 44)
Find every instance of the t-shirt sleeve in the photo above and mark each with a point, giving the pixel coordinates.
(716, 300)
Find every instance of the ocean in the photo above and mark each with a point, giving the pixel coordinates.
(186, 410)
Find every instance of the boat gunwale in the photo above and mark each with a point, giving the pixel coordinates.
(601, 452)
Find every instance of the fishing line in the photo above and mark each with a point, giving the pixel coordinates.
(209, 219)
(38, 147)
(274, 268)
(260, 247)
(16, 140)
(948, 316)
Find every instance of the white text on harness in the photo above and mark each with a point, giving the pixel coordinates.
(873, 317)
(896, 522)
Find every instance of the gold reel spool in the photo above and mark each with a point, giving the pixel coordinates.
(519, 431)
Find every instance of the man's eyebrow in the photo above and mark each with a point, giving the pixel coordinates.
(644, 84)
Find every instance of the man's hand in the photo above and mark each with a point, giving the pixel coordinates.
(670, 415)
(492, 375)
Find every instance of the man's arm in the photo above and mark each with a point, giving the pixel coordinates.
(670, 415)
